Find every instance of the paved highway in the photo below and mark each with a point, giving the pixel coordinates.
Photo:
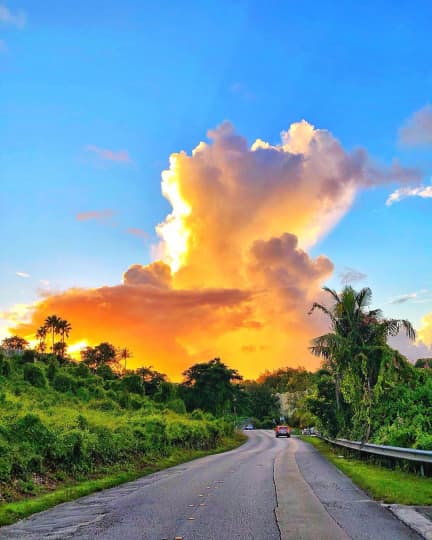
(268, 489)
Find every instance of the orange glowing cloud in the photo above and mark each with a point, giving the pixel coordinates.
(425, 332)
(234, 279)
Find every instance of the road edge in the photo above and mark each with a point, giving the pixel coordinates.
(412, 518)
(13, 512)
(293, 494)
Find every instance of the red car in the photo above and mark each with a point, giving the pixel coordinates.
(282, 431)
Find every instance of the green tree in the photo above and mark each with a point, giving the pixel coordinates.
(60, 348)
(133, 383)
(261, 401)
(41, 334)
(15, 343)
(356, 351)
(423, 363)
(34, 375)
(104, 353)
(209, 386)
(152, 380)
(64, 329)
(123, 354)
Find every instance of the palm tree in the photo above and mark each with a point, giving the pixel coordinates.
(357, 341)
(52, 323)
(59, 348)
(64, 327)
(124, 354)
(351, 321)
(41, 335)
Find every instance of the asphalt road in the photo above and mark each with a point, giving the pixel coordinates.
(268, 489)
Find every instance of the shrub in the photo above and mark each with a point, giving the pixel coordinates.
(34, 375)
(106, 372)
(424, 441)
(197, 414)
(133, 383)
(63, 382)
(5, 367)
(31, 429)
(135, 403)
(51, 371)
(5, 461)
(106, 405)
(29, 355)
(83, 394)
(177, 405)
(82, 370)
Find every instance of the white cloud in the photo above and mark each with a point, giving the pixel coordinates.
(412, 350)
(17, 19)
(351, 275)
(22, 274)
(105, 154)
(403, 298)
(425, 192)
(417, 130)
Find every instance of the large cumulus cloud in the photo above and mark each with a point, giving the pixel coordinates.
(234, 279)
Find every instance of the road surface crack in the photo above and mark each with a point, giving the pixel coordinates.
(276, 497)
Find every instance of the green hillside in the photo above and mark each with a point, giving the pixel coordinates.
(62, 422)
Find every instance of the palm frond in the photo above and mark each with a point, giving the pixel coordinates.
(333, 293)
(364, 297)
(322, 308)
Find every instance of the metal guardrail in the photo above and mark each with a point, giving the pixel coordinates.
(411, 454)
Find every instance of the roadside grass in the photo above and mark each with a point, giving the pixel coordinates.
(14, 511)
(381, 483)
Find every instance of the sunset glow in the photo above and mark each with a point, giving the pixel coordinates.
(195, 209)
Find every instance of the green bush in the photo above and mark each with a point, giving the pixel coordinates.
(82, 371)
(106, 372)
(52, 370)
(63, 382)
(83, 394)
(133, 383)
(197, 414)
(29, 355)
(106, 405)
(135, 403)
(34, 375)
(5, 367)
(177, 405)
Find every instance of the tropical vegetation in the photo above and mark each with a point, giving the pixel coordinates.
(366, 390)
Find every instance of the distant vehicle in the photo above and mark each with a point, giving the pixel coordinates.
(310, 431)
(282, 431)
(248, 426)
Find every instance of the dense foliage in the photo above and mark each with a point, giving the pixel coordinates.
(61, 418)
(366, 390)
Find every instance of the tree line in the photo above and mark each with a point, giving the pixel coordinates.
(366, 390)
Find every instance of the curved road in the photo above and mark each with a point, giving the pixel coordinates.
(268, 489)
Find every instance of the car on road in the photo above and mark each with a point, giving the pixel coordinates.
(282, 431)
(248, 427)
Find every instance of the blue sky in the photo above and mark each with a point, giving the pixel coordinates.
(151, 78)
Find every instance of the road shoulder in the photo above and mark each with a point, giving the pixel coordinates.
(413, 518)
(299, 513)
(360, 516)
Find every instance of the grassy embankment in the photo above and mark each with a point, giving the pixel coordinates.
(69, 490)
(383, 484)
(66, 432)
